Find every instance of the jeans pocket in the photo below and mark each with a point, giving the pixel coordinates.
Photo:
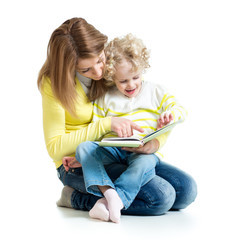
(76, 171)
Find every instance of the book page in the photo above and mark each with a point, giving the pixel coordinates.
(120, 139)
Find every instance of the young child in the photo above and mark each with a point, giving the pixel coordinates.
(143, 103)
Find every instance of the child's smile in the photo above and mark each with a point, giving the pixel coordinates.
(127, 81)
(131, 91)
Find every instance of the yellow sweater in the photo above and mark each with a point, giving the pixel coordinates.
(63, 132)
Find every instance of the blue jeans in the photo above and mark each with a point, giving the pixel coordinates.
(140, 170)
(170, 189)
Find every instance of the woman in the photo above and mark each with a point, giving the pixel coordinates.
(69, 80)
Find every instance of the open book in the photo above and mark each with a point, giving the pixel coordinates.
(133, 141)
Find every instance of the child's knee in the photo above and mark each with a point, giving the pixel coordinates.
(148, 162)
(84, 150)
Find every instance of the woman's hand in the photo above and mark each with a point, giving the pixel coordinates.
(148, 148)
(70, 162)
(124, 127)
(164, 119)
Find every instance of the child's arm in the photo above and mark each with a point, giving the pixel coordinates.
(168, 104)
(121, 126)
(124, 127)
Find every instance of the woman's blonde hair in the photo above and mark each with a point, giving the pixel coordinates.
(74, 39)
(127, 48)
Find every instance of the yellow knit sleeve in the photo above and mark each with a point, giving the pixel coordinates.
(162, 139)
(60, 141)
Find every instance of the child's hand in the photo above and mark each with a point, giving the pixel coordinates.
(70, 162)
(124, 127)
(164, 119)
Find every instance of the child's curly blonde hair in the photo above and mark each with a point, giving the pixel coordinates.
(127, 48)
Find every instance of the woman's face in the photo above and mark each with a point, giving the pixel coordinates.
(92, 67)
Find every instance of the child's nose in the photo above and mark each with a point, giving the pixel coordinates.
(130, 84)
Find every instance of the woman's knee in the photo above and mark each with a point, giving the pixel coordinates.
(186, 193)
(184, 185)
(161, 196)
(166, 198)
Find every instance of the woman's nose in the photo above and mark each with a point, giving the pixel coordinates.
(98, 71)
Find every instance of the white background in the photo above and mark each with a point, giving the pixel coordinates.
(195, 53)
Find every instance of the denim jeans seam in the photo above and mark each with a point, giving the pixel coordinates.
(104, 175)
(64, 177)
(62, 172)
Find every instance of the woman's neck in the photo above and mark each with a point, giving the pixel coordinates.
(85, 82)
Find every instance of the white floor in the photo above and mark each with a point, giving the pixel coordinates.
(32, 214)
(62, 223)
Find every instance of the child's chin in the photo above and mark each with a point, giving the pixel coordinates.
(131, 96)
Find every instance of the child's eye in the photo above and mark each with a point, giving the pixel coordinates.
(123, 81)
(136, 77)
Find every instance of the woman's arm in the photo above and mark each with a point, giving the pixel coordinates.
(60, 143)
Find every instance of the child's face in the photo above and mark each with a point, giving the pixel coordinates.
(128, 82)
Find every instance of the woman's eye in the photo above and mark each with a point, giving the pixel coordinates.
(84, 71)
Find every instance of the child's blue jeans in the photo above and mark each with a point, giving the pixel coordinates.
(171, 188)
(140, 170)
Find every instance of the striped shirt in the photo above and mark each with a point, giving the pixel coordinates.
(144, 109)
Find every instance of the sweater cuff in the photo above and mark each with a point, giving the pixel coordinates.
(107, 122)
